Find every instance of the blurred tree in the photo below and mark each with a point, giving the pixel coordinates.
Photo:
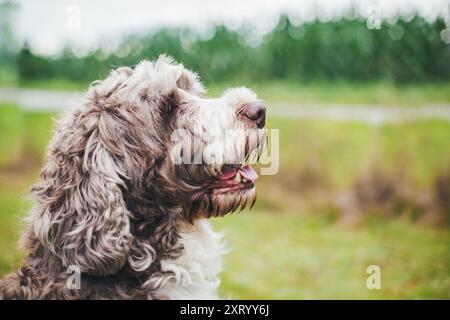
(8, 43)
(337, 50)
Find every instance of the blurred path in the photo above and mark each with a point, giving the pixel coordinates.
(374, 114)
(41, 100)
(53, 100)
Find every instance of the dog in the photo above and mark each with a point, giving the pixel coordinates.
(121, 209)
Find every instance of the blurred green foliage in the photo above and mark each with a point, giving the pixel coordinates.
(404, 52)
(8, 44)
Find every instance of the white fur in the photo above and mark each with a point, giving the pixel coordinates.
(197, 269)
(223, 135)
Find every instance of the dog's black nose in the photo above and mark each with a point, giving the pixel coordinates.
(256, 112)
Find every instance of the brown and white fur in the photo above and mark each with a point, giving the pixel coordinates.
(112, 202)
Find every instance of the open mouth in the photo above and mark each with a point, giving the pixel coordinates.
(233, 178)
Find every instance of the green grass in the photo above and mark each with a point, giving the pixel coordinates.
(23, 138)
(37, 130)
(13, 207)
(22, 134)
(12, 80)
(340, 151)
(297, 256)
(10, 133)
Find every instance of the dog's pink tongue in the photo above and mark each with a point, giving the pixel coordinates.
(248, 173)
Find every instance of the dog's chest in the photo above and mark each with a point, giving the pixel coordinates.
(197, 269)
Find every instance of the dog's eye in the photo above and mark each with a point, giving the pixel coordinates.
(170, 102)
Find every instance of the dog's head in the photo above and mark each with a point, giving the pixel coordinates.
(198, 150)
(146, 143)
(212, 148)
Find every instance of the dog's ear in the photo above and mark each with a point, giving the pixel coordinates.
(82, 216)
(185, 79)
(80, 213)
(189, 81)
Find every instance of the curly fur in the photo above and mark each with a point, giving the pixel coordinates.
(111, 202)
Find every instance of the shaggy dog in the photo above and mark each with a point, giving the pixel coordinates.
(130, 180)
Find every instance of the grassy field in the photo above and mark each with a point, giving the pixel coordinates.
(298, 256)
(283, 249)
(339, 151)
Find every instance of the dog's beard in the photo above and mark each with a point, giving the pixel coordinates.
(213, 189)
(223, 203)
(207, 203)
(225, 188)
